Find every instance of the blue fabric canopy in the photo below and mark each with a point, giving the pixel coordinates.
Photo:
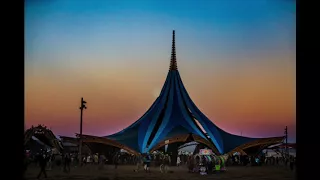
(174, 113)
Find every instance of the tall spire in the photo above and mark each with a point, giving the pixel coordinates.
(173, 61)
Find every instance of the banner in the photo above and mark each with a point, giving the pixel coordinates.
(205, 152)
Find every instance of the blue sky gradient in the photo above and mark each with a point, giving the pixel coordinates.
(77, 48)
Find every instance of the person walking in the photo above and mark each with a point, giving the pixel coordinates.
(42, 159)
(218, 166)
(148, 162)
(166, 163)
(178, 161)
(190, 163)
(139, 162)
(291, 163)
(67, 160)
(116, 160)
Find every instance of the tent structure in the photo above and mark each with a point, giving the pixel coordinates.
(174, 117)
(44, 135)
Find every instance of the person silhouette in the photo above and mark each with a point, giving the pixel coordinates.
(42, 159)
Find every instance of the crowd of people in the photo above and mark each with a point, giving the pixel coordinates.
(46, 160)
(245, 160)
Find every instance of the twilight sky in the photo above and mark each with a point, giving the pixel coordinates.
(236, 59)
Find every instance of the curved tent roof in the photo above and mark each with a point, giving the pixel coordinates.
(172, 114)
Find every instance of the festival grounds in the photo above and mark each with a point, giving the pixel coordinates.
(178, 173)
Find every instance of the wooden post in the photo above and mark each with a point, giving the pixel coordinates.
(83, 106)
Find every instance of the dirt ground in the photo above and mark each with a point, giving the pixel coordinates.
(178, 173)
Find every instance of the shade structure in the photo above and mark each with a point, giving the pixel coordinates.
(44, 135)
(174, 114)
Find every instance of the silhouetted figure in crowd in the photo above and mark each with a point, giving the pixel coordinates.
(218, 166)
(42, 159)
(165, 162)
(58, 160)
(245, 160)
(148, 161)
(116, 160)
(191, 163)
(291, 163)
(84, 161)
(273, 160)
(209, 167)
(67, 161)
(139, 162)
(286, 161)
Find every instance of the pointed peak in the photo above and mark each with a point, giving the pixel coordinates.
(173, 61)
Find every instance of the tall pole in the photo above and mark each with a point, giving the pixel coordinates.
(82, 106)
(286, 136)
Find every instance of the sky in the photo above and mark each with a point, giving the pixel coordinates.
(237, 60)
